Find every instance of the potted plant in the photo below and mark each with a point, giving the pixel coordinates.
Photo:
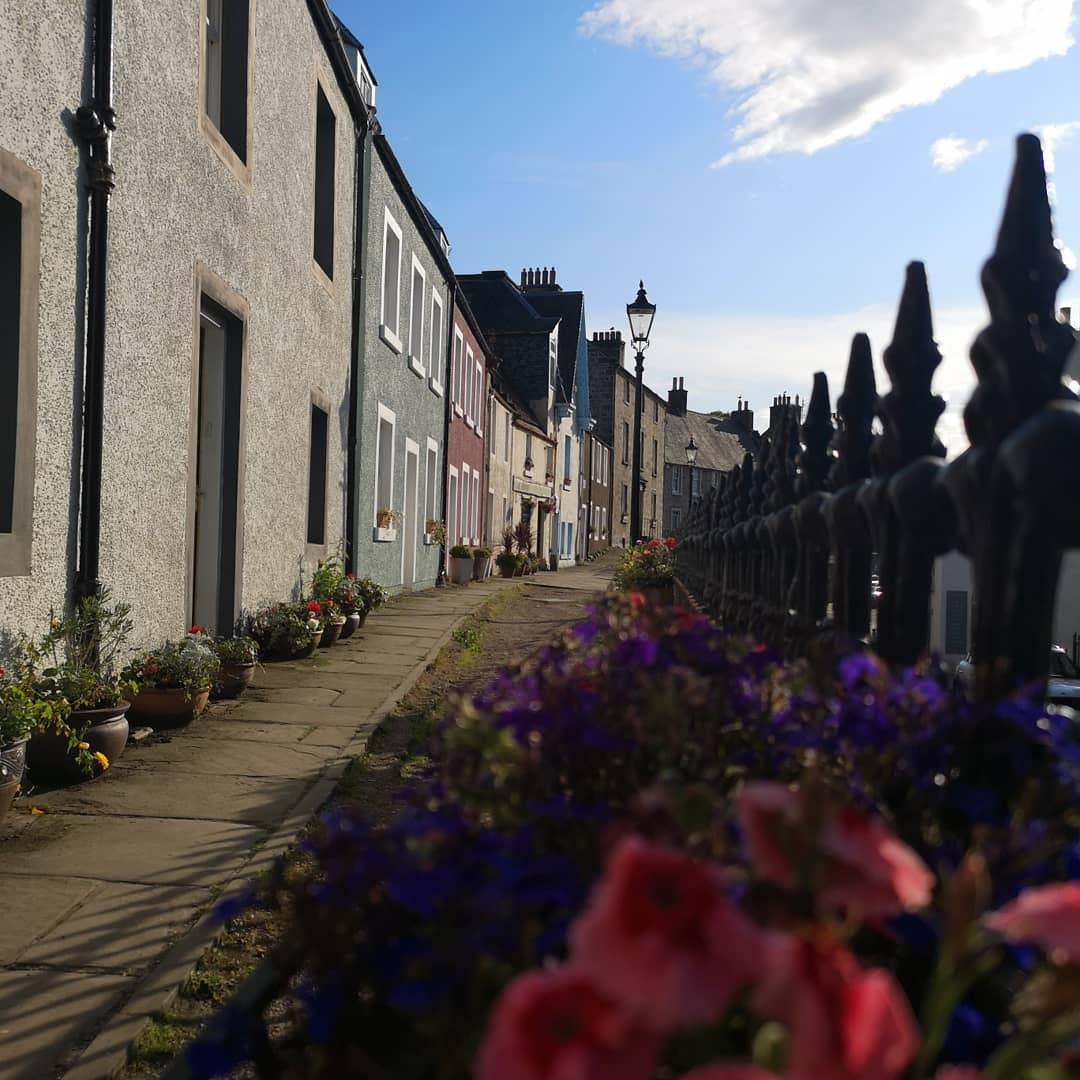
(386, 521)
(281, 631)
(21, 711)
(523, 538)
(237, 657)
(649, 569)
(174, 680)
(347, 603)
(508, 563)
(314, 612)
(481, 563)
(370, 596)
(74, 669)
(461, 564)
(333, 623)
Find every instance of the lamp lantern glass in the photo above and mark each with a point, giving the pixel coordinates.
(691, 452)
(640, 313)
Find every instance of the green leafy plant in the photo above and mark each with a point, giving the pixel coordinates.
(370, 594)
(387, 518)
(437, 531)
(646, 565)
(21, 710)
(461, 551)
(482, 553)
(508, 540)
(328, 578)
(280, 630)
(77, 661)
(236, 651)
(507, 560)
(191, 665)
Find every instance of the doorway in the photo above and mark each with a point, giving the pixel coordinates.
(217, 470)
(409, 522)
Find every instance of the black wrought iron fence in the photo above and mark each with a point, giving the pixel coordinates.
(783, 546)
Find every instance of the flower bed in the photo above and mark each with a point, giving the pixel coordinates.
(654, 847)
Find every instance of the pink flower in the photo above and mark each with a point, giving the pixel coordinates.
(865, 869)
(1048, 916)
(555, 1026)
(844, 1023)
(661, 937)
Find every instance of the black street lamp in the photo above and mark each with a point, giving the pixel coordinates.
(691, 457)
(640, 313)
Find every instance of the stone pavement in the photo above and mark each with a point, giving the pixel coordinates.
(108, 895)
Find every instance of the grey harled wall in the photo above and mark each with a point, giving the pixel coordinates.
(178, 205)
(388, 379)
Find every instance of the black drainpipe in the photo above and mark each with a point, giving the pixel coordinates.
(359, 245)
(94, 124)
(447, 372)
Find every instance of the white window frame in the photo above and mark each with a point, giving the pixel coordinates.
(507, 436)
(603, 522)
(411, 446)
(416, 359)
(568, 474)
(479, 397)
(464, 498)
(453, 513)
(476, 507)
(389, 415)
(457, 359)
(435, 353)
(468, 378)
(431, 484)
(390, 334)
(493, 425)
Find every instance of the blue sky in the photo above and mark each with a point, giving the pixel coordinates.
(537, 143)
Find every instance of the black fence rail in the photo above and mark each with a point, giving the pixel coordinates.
(785, 546)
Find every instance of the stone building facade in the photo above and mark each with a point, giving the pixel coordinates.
(595, 497)
(612, 398)
(408, 327)
(227, 341)
(722, 440)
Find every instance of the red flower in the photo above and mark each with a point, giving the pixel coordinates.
(652, 545)
(637, 600)
(670, 543)
(661, 937)
(866, 870)
(844, 1023)
(555, 1025)
(313, 607)
(150, 666)
(1048, 916)
(197, 629)
(729, 1072)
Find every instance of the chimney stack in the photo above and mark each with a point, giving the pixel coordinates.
(782, 408)
(607, 347)
(539, 278)
(1066, 316)
(743, 416)
(676, 399)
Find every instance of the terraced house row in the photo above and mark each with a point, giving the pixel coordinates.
(232, 341)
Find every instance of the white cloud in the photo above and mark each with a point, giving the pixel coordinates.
(811, 73)
(950, 152)
(1052, 136)
(723, 357)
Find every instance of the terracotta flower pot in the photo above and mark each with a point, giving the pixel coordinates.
(105, 730)
(12, 762)
(235, 679)
(164, 707)
(352, 622)
(331, 632)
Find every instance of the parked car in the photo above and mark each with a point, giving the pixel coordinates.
(1063, 678)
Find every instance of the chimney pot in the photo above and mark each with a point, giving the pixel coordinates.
(1066, 315)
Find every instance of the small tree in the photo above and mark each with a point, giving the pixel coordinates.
(508, 540)
(523, 538)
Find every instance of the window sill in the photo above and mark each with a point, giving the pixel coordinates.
(384, 536)
(435, 386)
(391, 339)
(470, 422)
(457, 411)
(416, 367)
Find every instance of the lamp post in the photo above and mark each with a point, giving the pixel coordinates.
(640, 313)
(691, 457)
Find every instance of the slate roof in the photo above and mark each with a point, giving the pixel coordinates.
(570, 308)
(499, 306)
(433, 221)
(512, 400)
(720, 441)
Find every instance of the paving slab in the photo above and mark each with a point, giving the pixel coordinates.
(348, 711)
(329, 734)
(166, 792)
(317, 677)
(43, 1011)
(155, 851)
(224, 756)
(292, 695)
(33, 906)
(118, 927)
